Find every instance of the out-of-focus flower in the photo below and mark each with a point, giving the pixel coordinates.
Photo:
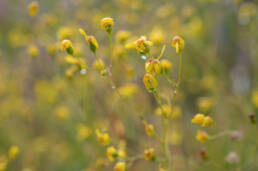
(65, 33)
(33, 50)
(178, 43)
(103, 138)
(157, 36)
(149, 129)
(252, 118)
(166, 66)
(52, 49)
(176, 112)
(203, 153)
(150, 82)
(3, 163)
(83, 132)
(99, 65)
(122, 36)
(153, 66)
(236, 135)
(205, 104)
(142, 45)
(128, 90)
(149, 154)
(176, 137)
(62, 112)
(120, 166)
(13, 152)
(164, 110)
(107, 23)
(33, 9)
(111, 153)
(232, 158)
(202, 136)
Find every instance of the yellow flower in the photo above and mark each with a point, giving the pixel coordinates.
(198, 119)
(93, 43)
(13, 152)
(107, 23)
(128, 90)
(150, 82)
(83, 132)
(255, 98)
(99, 65)
(149, 154)
(52, 49)
(62, 112)
(122, 36)
(157, 36)
(103, 138)
(142, 45)
(120, 166)
(65, 33)
(33, 50)
(33, 9)
(178, 43)
(176, 112)
(153, 66)
(205, 103)
(149, 129)
(164, 110)
(202, 136)
(165, 65)
(207, 121)
(111, 153)
(66, 45)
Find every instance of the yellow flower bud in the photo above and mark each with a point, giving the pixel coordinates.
(107, 23)
(103, 138)
(120, 166)
(255, 98)
(33, 50)
(111, 153)
(164, 110)
(149, 129)
(207, 121)
(153, 66)
(178, 43)
(142, 45)
(198, 119)
(66, 45)
(13, 152)
(202, 136)
(99, 65)
(33, 9)
(149, 154)
(165, 65)
(150, 82)
(93, 43)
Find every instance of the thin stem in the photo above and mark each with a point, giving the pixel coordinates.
(110, 48)
(221, 134)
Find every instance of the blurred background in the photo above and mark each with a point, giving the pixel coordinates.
(49, 119)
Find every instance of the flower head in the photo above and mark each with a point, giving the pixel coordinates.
(111, 153)
(93, 43)
(120, 166)
(150, 82)
(153, 66)
(67, 46)
(103, 138)
(149, 154)
(178, 43)
(107, 23)
(33, 9)
(202, 136)
(142, 45)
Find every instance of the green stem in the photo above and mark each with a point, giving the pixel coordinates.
(110, 48)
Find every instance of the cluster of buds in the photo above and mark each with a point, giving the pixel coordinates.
(153, 66)
(149, 154)
(107, 23)
(202, 120)
(142, 45)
